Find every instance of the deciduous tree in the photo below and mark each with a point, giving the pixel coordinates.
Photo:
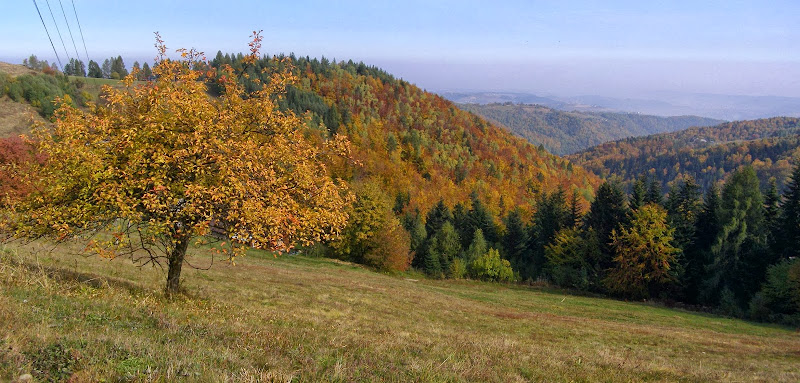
(162, 163)
(644, 254)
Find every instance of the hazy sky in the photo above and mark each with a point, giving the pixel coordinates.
(615, 48)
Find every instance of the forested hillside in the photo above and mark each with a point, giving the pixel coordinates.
(564, 133)
(420, 147)
(706, 154)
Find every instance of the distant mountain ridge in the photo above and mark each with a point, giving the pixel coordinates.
(723, 107)
(565, 133)
(707, 154)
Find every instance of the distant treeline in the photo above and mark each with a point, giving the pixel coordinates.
(564, 133)
(706, 154)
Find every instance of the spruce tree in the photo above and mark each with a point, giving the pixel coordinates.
(772, 210)
(654, 194)
(638, 194)
(436, 218)
(607, 213)
(575, 211)
(480, 218)
(789, 230)
(515, 238)
(447, 245)
(551, 216)
(94, 70)
(739, 263)
(477, 248)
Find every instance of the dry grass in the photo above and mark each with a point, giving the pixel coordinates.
(16, 118)
(15, 70)
(306, 319)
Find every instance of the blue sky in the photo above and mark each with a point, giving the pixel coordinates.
(617, 48)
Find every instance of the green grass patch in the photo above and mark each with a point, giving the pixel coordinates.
(68, 316)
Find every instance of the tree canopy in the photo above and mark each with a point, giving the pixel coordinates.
(161, 163)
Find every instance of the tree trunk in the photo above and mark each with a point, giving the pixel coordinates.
(175, 263)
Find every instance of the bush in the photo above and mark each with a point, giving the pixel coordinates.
(490, 267)
(458, 269)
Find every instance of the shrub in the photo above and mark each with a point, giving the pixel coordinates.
(490, 267)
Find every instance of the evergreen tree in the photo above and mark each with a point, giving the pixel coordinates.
(430, 261)
(575, 211)
(138, 70)
(551, 215)
(697, 254)
(147, 73)
(94, 70)
(683, 210)
(606, 214)
(477, 248)
(772, 210)
(460, 221)
(416, 229)
(683, 207)
(739, 263)
(515, 238)
(480, 218)
(789, 230)
(638, 194)
(654, 194)
(118, 67)
(106, 68)
(447, 246)
(436, 218)
(75, 67)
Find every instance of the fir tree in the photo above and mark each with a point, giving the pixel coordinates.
(739, 263)
(789, 231)
(515, 238)
(94, 70)
(638, 194)
(437, 217)
(606, 214)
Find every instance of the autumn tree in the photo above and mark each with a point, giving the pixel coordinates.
(644, 254)
(373, 235)
(161, 163)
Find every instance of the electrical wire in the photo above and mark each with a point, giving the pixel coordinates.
(81, 30)
(77, 56)
(57, 30)
(48, 33)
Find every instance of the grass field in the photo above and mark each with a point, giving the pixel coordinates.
(68, 316)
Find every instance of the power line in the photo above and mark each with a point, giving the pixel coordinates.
(57, 30)
(48, 33)
(77, 56)
(81, 30)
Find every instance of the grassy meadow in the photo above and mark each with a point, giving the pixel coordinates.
(68, 316)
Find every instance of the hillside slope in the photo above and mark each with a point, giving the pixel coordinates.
(310, 319)
(771, 145)
(565, 133)
(416, 143)
(411, 141)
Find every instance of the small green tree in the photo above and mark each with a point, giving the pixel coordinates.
(568, 259)
(490, 267)
(477, 248)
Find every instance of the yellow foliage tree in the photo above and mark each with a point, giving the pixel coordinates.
(161, 163)
(644, 254)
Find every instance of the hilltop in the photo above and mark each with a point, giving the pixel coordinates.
(567, 132)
